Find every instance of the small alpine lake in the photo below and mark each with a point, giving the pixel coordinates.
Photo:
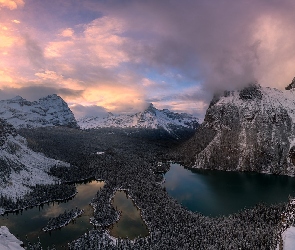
(28, 223)
(130, 223)
(215, 193)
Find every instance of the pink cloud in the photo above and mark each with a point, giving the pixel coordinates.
(67, 32)
(11, 4)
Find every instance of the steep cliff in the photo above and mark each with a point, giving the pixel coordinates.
(247, 130)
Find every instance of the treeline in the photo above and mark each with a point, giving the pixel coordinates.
(63, 219)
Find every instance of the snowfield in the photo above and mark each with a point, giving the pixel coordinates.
(8, 241)
(288, 237)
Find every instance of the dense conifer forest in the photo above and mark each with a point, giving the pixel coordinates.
(128, 159)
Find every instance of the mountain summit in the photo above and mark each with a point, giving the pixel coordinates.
(150, 118)
(51, 110)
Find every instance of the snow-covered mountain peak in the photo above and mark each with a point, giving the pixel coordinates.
(150, 118)
(257, 97)
(51, 110)
(150, 107)
(17, 98)
(52, 97)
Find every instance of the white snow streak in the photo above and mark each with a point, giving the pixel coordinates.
(8, 241)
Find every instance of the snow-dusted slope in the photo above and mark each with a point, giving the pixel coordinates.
(48, 111)
(8, 241)
(151, 118)
(247, 130)
(288, 239)
(21, 167)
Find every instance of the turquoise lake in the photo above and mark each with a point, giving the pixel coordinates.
(215, 193)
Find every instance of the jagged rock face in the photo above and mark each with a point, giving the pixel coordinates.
(48, 111)
(6, 129)
(247, 130)
(150, 118)
(291, 85)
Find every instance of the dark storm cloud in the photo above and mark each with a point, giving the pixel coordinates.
(88, 111)
(209, 42)
(33, 93)
(70, 92)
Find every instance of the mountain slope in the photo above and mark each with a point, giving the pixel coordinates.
(48, 111)
(21, 167)
(151, 118)
(247, 130)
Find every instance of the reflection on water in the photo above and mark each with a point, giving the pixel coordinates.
(130, 224)
(31, 221)
(214, 193)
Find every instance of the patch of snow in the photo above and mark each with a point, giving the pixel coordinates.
(288, 237)
(8, 241)
(99, 153)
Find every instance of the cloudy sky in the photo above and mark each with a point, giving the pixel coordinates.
(120, 55)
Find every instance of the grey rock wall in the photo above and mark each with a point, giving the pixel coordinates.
(247, 130)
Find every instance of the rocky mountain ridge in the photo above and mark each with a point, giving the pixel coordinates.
(248, 130)
(150, 118)
(51, 110)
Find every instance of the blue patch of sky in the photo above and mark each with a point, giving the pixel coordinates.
(81, 16)
(170, 77)
(173, 78)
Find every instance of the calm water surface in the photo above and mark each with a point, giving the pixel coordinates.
(214, 193)
(130, 224)
(31, 221)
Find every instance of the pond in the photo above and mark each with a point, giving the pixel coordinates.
(130, 224)
(215, 193)
(30, 222)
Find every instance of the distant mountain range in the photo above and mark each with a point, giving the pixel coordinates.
(150, 118)
(51, 110)
(252, 129)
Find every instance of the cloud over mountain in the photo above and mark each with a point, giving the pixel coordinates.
(121, 54)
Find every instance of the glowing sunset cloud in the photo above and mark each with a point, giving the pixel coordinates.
(11, 4)
(121, 55)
